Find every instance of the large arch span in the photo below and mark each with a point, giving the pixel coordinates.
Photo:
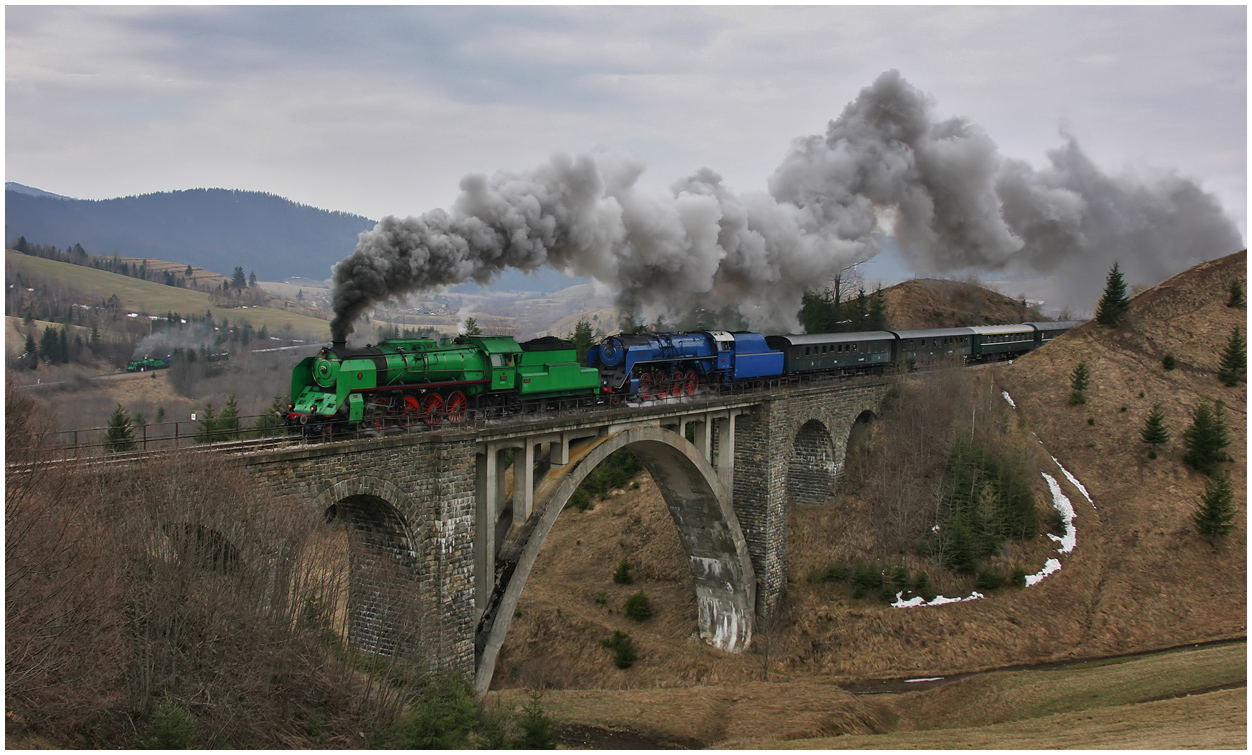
(717, 553)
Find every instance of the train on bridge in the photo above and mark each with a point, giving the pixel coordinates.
(425, 381)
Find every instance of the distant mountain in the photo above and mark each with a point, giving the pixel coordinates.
(215, 229)
(32, 191)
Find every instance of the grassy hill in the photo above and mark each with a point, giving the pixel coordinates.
(153, 298)
(930, 303)
(215, 229)
(1139, 578)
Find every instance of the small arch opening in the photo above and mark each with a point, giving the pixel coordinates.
(812, 467)
(361, 583)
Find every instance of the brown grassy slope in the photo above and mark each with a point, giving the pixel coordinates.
(1190, 697)
(554, 640)
(930, 303)
(1138, 579)
(1142, 578)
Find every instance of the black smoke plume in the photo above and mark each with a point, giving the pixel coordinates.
(953, 201)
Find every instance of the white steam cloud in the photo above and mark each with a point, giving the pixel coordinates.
(954, 203)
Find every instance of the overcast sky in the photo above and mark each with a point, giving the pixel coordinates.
(382, 110)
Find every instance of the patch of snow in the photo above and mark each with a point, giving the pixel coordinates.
(1008, 398)
(940, 600)
(1062, 504)
(1074, 481)
(927, 679)
(1051, 566)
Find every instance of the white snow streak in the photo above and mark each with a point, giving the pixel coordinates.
(1062, 504)
(1066, 542)
(938, 601)
(1048, 568)
(1008, 398)
(1074, 481)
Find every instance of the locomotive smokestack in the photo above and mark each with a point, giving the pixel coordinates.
(339, 344)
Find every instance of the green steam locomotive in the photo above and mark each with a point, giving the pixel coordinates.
(404, 382)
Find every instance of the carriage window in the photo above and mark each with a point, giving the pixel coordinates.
(806, 351)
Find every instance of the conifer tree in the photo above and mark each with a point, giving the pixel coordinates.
(1114, 303)
(120, 435)
(1236, 299)
(1234, 365)
(32, 350)
(271, 420)
(1205, 438)
(1079, 380)
(1154, 432)
(207, 431)
(877, 311)
(1214, 515)
(49, 345)
(228, 420)
(582, 338)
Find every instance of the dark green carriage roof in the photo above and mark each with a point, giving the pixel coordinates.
(1001, 330)
(935, 333)
(818, 339)
(1058, 325)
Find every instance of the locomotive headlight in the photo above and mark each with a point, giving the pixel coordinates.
(324, 372)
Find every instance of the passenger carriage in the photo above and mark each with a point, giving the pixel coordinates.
(928, 345)
(824, 352)
(992, 342)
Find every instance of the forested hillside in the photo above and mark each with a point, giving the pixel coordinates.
(215, 229)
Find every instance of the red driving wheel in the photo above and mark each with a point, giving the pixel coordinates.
(432, 409)
(645, 387)
(456, 407)
(692, 384)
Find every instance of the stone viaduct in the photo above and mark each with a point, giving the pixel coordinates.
(442, 551)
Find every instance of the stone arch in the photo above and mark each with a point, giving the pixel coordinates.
(859, 430)
(717, 552)
(386, 612)
(811, 465)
